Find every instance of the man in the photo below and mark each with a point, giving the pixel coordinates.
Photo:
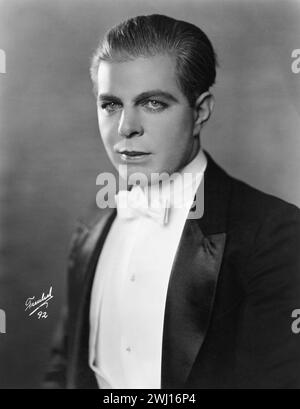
(158, 298)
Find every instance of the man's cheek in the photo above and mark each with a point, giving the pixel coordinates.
(108, 130)
(157, 123)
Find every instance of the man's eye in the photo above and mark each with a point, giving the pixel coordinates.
(155, 105)
(110, 106)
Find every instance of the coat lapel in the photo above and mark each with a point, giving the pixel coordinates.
(80, 375)
(193, 281)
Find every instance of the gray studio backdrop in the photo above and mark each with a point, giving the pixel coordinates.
(51, 151)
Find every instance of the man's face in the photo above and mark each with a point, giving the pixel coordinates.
(143, 113)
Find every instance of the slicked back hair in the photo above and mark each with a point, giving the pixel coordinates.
(146, 36)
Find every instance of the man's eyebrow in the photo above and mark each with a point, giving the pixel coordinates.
(108, 98)
(155, 93)
(142, 96)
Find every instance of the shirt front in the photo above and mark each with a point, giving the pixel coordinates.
(130, 287)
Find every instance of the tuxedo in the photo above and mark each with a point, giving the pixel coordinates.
(234, 284)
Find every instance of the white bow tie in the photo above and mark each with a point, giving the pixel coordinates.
(134, 203)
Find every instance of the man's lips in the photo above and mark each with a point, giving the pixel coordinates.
(133, 156)
(133, 153)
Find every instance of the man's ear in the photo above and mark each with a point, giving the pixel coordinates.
(203, 108)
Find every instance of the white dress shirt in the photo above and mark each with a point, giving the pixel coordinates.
(130, 288)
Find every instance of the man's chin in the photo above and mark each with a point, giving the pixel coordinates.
(135, 175)
(141, 176)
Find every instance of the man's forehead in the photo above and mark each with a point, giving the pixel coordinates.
(138, 75)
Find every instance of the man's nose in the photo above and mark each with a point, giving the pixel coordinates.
(130, 124)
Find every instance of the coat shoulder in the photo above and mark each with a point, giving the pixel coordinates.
(251, 204)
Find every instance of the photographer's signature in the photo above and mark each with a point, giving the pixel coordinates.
(33, 305)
